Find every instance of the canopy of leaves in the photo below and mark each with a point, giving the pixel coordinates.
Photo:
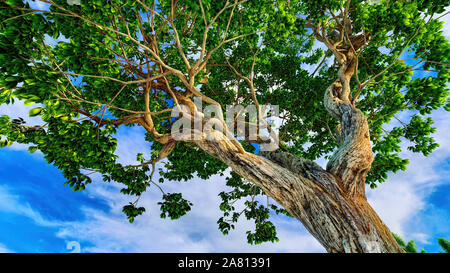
(99, 76)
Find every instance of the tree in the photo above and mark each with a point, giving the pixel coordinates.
(445, 244)
(128, 63)
(410, 247)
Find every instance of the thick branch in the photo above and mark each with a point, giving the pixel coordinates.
(310, 194)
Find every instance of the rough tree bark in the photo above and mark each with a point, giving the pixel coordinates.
(330, 203)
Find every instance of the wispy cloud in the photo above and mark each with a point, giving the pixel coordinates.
(397, 201)
(446, 19)
(4, 249)
(195, 232)
(404, 196)
(12, 204)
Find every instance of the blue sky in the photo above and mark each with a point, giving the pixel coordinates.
(39, 214)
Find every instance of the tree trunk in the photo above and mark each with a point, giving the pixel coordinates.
(313, 196)
(330, 203)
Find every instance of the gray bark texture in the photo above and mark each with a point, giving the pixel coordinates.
(330, 203)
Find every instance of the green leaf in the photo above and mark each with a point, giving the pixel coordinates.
(36, 111)
(32, 149)
(28, 102)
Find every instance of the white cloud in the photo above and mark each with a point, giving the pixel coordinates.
(422, 237)
(198, 223)
(11, 203)
(19, 110)
(195, 232)
(446, 20)
(397, 202)
(130, 142)
(4, 249)
(404, 196)
(310, 68)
